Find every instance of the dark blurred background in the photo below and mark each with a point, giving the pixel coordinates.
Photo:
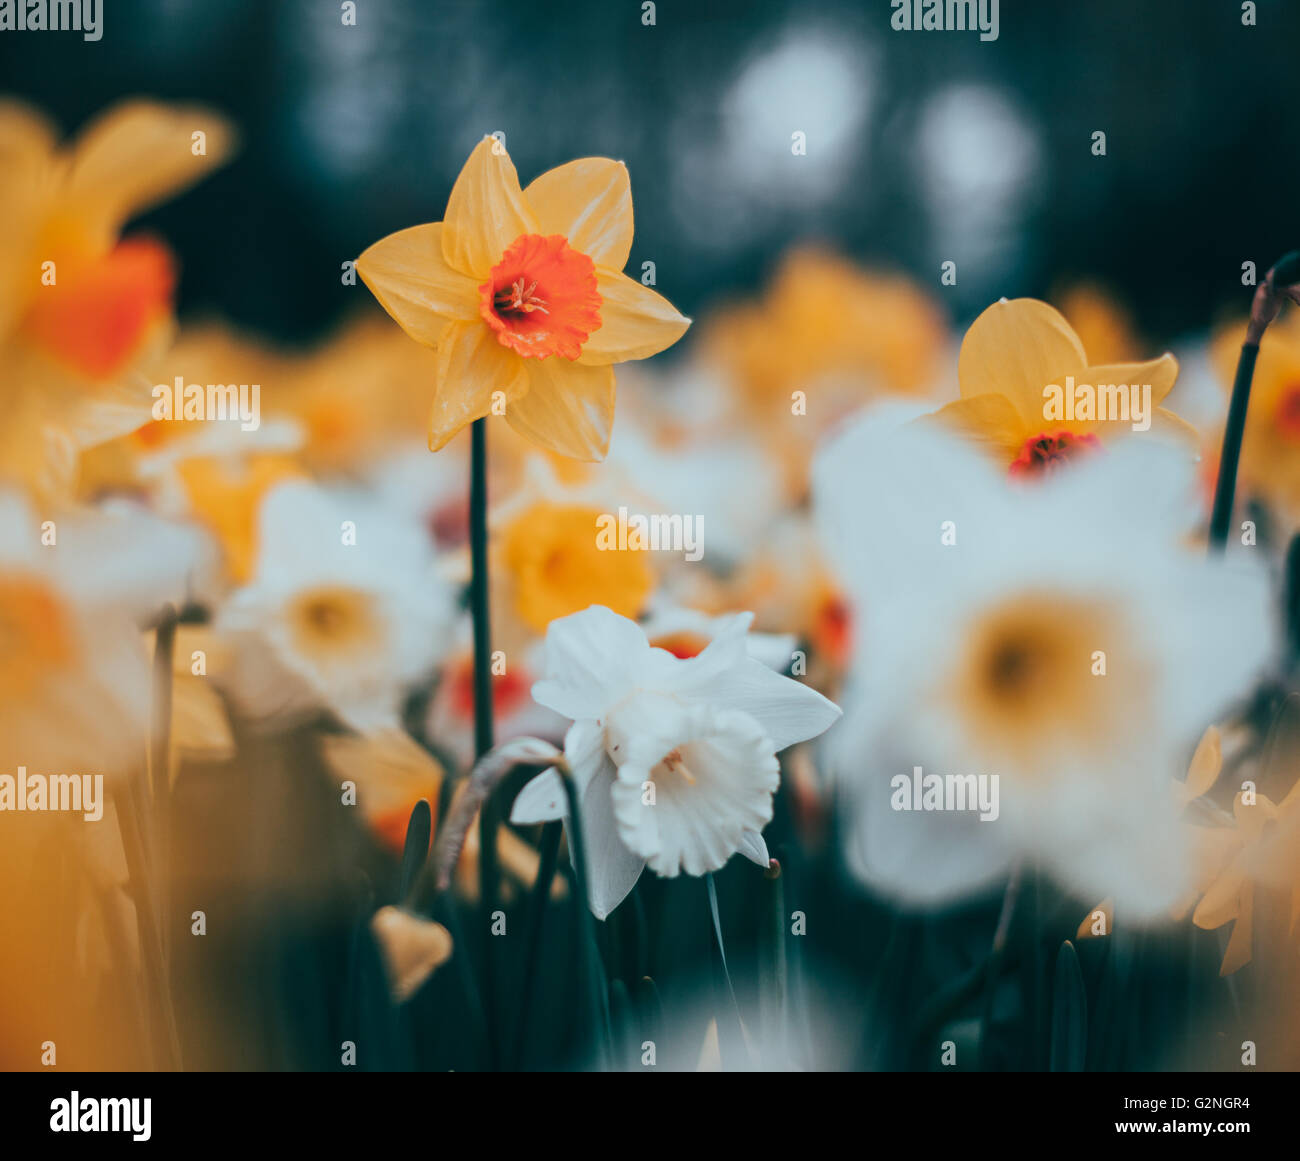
(921, 146)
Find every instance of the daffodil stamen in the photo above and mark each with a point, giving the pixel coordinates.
(519, 299)
(1047, 452)
(676, 764)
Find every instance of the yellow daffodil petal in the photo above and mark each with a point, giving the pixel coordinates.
(486, 211)
(472, 365)
(1016, 349)
(139, 153)
(1099, 921)
(635, 321)
(989, 420)
(1222, 901)
(1251, 817)
(25, 134)
(1203, 771)
(568, 409)
(589, 201)
(1158, 373)
(409, 276)
(1167, 423)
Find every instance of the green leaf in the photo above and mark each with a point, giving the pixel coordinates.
(1069, 1013)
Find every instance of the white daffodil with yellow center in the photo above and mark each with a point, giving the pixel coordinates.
(1063, 639)
(343, 614)
(673, 759)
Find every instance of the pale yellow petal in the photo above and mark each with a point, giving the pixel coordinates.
(992, 421)
(27, 136)
(413, 948)
(1252, 816)
(140, 153)
(486, 211)
(568, 409)
(1159, 374)
(1238, 952)
(635, 321)
(472, 365)
(1099, 921)
(589, 201)
(1222, 901)
(1016, 349)
(409, 276)
(1165, 422)
(1203, 771)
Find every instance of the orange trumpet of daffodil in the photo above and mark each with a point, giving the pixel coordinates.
(1010, 355)
(521, 292)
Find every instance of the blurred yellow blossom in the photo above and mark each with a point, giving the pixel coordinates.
(555, 566)
(81, 309)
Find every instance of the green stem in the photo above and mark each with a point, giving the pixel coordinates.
(480, 611)
(773, 971)
(550, 858)
(160, 742)
(593, 988)
(1225, 487)
(1281, 282)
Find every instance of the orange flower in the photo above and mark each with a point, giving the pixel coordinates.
(521, 293)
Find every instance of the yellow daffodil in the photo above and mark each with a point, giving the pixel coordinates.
(826, 338)
(521, 292)
(824, 318)
(555, 567)
(1231, 896)
(1022, 372)
(79, 307)
(1270, 452)
(1254, 846)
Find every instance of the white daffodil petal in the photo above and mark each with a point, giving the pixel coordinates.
(922, 857)
(754, 848)
(787, 710)
(612, 869)
(592, 659)
(541, 800)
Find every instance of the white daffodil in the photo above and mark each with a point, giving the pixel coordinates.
(1059, 634)
(344, 612)
(74, 594)
(673, 760)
